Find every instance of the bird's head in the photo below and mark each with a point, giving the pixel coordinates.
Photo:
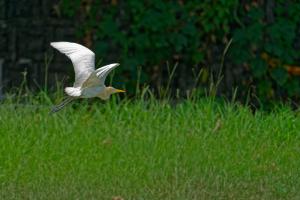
(111, 90)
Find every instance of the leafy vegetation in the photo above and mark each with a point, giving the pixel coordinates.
(263, 57)
(151, 33)
(270, 48)
(198, 149)
(145, 148)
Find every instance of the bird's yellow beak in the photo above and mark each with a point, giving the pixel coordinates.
(117, 90)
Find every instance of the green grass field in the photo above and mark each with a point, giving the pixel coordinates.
(151, 151)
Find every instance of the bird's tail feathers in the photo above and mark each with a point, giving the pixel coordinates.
(73, 92)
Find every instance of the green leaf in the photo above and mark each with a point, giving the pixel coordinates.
(293, 87)
(259, 67)
(280, 75)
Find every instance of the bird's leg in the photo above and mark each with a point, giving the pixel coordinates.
(58, 107)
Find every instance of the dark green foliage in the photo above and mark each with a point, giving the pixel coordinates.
(151, 33)
(267, 42)
(194, 33)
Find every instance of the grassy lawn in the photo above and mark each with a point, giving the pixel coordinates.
(151, 151)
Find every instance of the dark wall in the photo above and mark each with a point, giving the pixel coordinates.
(26, 29)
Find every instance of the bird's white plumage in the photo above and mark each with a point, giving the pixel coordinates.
(73, 92)
(97, 78)
(88, 81)
(82, 58)
(104, 71)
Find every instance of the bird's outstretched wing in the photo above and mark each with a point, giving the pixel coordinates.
(82, 58)
(97, 78)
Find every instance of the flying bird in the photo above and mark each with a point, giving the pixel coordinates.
(89, 82)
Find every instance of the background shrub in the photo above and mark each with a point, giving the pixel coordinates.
(261, 61)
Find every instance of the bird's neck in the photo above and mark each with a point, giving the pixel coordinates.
(105, 94)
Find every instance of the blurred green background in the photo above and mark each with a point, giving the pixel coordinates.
(151, 38)
(262, 59)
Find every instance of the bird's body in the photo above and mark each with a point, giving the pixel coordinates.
(92, 91)
(89, 82)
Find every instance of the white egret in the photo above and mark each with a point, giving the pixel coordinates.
(89, 82)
